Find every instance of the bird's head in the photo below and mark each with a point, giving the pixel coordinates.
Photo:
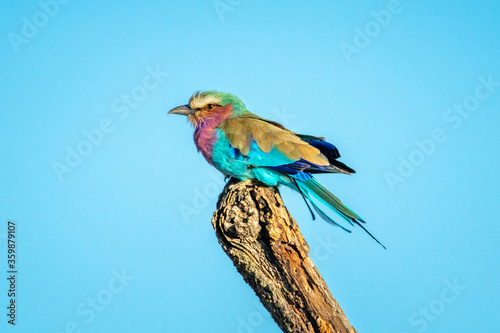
(210, 106)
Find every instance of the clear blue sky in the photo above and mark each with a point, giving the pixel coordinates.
(113, 203)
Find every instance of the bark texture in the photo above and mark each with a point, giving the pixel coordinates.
(265, 244)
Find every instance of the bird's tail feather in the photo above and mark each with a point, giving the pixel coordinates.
(311, 188)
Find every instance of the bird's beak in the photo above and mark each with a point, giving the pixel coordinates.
(183, 110)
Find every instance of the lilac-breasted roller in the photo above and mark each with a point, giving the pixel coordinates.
(245, 146)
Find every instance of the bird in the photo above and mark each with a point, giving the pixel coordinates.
(242, 145)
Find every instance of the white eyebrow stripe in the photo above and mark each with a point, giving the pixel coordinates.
(199, 101)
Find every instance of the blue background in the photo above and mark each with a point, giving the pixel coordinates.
(141, 200)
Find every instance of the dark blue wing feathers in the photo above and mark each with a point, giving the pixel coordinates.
(329, 150)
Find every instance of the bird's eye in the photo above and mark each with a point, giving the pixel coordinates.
(210, 106)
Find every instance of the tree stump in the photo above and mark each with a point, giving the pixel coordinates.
(265, 244)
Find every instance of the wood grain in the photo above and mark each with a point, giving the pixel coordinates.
(265, 244)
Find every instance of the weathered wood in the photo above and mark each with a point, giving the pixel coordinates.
(265, 244)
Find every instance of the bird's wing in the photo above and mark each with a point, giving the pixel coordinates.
(260, 139)
(329, 150)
